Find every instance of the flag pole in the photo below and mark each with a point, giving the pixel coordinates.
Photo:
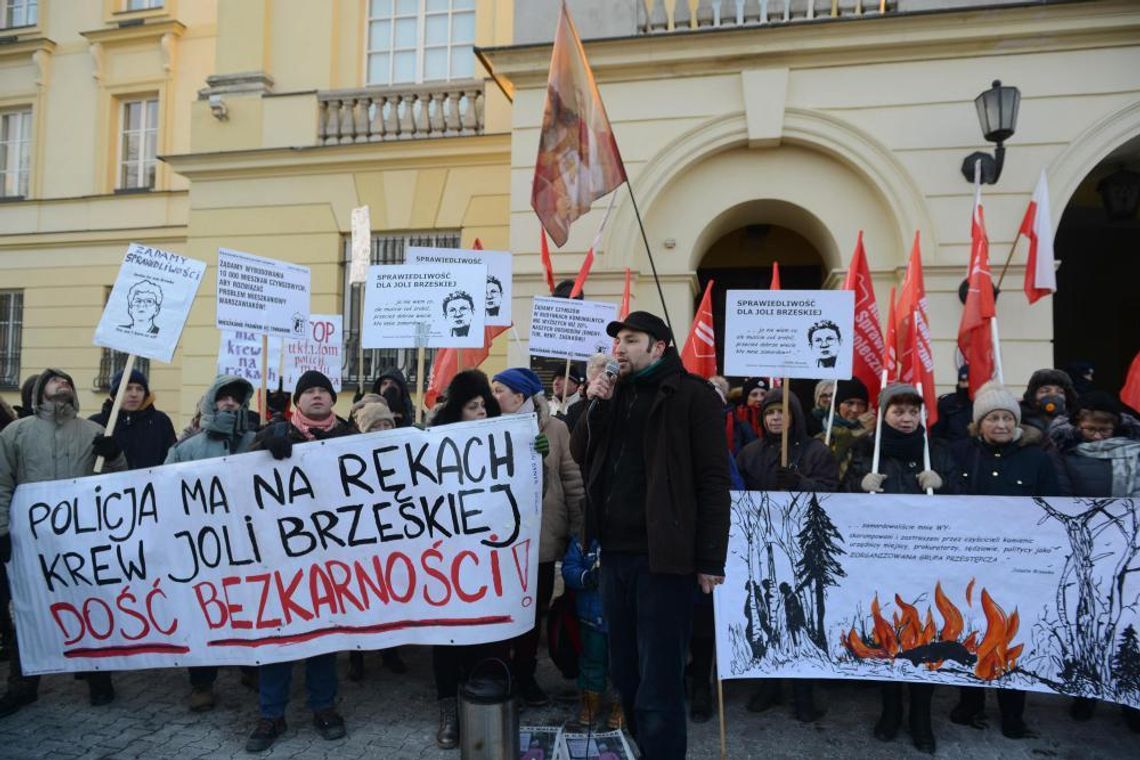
(998, 373)
(262, 398)
(879, 424)
(1008, 259)
(649, 253)
(925, 432)
(115, 406)
(565, 384)
(831, 414)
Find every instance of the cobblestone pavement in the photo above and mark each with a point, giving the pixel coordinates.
(391, 717)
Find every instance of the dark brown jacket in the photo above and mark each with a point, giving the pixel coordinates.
(686, 472)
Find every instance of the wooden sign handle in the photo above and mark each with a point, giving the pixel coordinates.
(116, 405)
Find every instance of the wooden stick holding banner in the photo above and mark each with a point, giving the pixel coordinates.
(565, 384)
(925, 434)
(422, 330)
(358, 274)
(262, 398)
(116, 405)
(831, 413)
(785, 390)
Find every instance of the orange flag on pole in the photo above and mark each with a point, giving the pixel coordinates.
(445, 364)
(583, 273)
(975, 333)
(890, 344)
(915, 355)
(775, 284)
(868, 344)
(578, 160)
(1130, 393)
(623, 310)
(699, 352)
(547, 267)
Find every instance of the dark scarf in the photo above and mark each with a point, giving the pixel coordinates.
(904, 446)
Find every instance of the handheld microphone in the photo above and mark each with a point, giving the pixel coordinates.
(612, 369)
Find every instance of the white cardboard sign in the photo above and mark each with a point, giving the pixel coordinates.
(498, 297)
(239, 353)
(261, 295)
(149, 302)
(568, 328)
(361, 245)
(789, 333)
(398, 298)
(321, 349)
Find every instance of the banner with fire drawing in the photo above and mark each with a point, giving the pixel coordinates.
(1020, 593)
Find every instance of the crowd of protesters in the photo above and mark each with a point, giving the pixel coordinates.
(1064, 436)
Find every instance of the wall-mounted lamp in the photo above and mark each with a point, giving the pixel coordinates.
(997, 114)
(218, 108)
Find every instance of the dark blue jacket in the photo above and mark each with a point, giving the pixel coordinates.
(580, 572)
(144, 436)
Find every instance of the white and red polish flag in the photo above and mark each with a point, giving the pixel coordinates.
(1037, 225)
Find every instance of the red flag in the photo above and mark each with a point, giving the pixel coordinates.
(546, 265)
(578, 160)
(623, 311)
(1037, 225)
(890, 344)
(868, 345)
(1130, 393)
(699, 353)
(915, 356)
(775, 284)
(975, 333)
(583, 273)
(445, 365)
(477, 245)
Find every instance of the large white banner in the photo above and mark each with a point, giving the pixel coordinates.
(368, 541)
(261, 295)
(568, 328)
(1021, 593)
(789, 333)
(497, 301)
(438, 305)
(149, 302)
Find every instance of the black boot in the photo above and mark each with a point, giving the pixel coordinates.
(921, 730)
(971, 707)
(356, 666)
(1012, 704)
(767, 694)
(891, 717)
(448, 735)
(100, 688)
(803, 695)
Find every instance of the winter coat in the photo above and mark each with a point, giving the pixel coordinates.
(1017, 468)
(580, 572)
(844, 435)
(212, 439)
(955, 413)
(686, 470)
(759, 461)
(145, 436)
(296, 436)
(1087, 475)
(901, 472)
(53, 444)
(564, 492)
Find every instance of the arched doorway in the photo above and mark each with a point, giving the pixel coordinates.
(1098, 283)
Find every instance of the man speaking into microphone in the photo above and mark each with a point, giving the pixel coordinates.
(654, 455)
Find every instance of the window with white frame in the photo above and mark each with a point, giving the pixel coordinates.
(15, 152)
(18, 13)
(11, 329)
(413, 41)
(141, 5)
(138, 144)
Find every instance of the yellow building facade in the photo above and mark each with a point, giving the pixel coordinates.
(749, 138)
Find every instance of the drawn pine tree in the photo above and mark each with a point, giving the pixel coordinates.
(818, 566)
(1126, 663)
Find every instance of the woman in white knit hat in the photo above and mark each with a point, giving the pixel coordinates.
(997, 460)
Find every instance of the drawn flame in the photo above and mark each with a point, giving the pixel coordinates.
(908, 629)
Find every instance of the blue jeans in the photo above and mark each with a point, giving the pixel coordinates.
(320, 683)
(649, 618)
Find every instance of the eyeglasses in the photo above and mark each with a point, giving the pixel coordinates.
(1098, 430)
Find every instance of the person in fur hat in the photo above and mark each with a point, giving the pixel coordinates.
(998, 461)
(1050, 393)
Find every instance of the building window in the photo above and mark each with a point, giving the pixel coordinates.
(111, 361)
(139, 143)
(412, 41)
(11, 328)
(19, 13)
(15, 152)
(141, 5)
(386, 249)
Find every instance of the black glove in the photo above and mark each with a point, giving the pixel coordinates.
(5, 548)
(788, 479)
(279, 446)
(105, 446)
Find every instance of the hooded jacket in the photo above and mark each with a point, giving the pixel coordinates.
(145, 435)
(759, 461)
(219, 435)
(406, 409)
(685, 460)
(53, 444)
